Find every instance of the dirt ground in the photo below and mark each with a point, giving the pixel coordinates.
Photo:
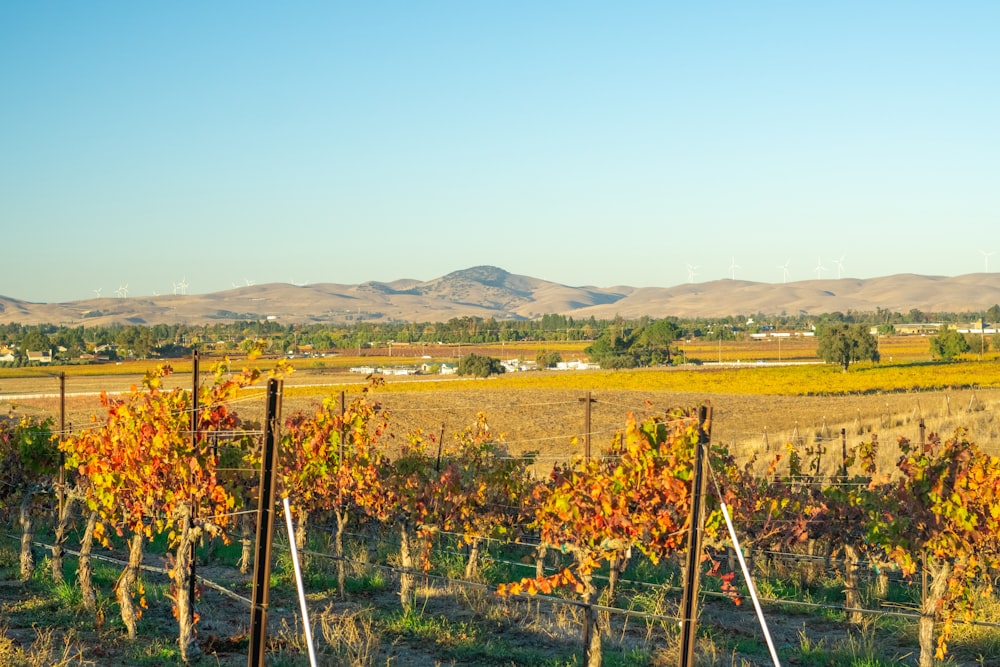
(548, 421)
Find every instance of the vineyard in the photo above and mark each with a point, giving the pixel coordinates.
(592, 524)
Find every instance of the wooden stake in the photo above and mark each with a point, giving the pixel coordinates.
(689, 603)
(265, 527)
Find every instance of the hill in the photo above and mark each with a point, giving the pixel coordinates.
(487, 291)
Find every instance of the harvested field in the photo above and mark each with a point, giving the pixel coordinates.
(548, 421)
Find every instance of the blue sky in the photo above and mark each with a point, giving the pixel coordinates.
(586, 143)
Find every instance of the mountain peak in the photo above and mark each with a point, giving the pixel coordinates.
(485, 274)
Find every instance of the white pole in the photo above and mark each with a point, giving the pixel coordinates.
(750, 586)
(298, 581)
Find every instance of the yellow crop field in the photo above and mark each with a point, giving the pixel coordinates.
(893, 349)
(747, 379)
(748, 367)
(132, 367)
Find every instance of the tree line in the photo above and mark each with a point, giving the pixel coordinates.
(615, 343)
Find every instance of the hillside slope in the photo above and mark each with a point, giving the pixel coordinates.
(487, 291)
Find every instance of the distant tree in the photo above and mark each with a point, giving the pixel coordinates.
(654, 341)
(546, 359)
(611, 350)
(647, 344)
(846, 343)
(136, 341)
(35, 341)
(948, 344)
(70, 338)
(479, 365)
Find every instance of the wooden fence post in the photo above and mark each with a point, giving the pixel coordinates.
(689, 602)
(587, 402)
(265, 526)
(195, 373)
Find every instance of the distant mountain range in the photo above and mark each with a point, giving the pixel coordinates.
(488, 291)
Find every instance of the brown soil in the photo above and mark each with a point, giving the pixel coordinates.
(547, 421)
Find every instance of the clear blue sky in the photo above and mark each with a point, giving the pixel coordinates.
(586, 143)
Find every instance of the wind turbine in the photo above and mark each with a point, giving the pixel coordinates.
(122, 291)
(840, 266)
(183, 285)
(784, 271)
(98, 292)
(732, 268)
(691, 273)
(986, 259)
(819, 268)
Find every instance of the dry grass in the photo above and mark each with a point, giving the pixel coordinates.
(45, 650)
(350, 637)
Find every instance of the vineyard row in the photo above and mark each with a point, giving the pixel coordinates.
(184, 464)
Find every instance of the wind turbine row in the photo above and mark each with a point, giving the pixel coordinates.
(692, 270)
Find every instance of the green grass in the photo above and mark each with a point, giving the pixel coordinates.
(371, 582)
(152, 652)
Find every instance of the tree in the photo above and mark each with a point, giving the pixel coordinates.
(948, 344)
(479, 365)
(647, 344)
(846, 343)
(655, 339)
(546, 359)
(610, 351)
(35, 341)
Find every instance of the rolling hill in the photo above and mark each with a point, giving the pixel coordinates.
(487, 291)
